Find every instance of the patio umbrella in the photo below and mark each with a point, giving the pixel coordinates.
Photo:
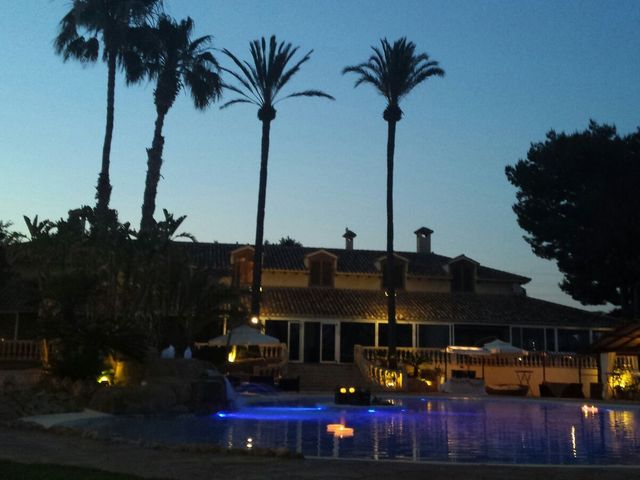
(243, 335)
(500, 347)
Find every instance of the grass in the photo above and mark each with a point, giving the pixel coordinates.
(23, 471)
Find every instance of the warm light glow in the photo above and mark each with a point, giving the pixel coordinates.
(332, 427)
(232, 355)
(339, 430)
(343, 390)
(254, 319)
(428, 382)
(589, 409)
(104, 379)
(352, 390)
(344, 432)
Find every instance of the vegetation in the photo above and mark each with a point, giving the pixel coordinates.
(289, 242)
(176, 62)
(259, 83)
(7, 238)
(579, 202)
(116, 294)
(394, 71)
(114, 22)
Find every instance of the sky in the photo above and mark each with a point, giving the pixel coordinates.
(514, 70)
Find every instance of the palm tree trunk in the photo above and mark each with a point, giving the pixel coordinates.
(391, 284)
(259, 244)
(103, 189)
(154, 163)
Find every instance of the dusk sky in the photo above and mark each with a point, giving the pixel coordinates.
(514, 70)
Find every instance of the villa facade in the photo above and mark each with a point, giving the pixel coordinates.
(323, 301)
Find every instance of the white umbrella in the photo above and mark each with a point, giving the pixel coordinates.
(243, 335)
(500, 347)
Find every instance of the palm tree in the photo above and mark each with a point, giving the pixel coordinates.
(260, 82)
(78, 38)
(394, 70)
(176, 63)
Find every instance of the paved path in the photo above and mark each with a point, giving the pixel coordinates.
(34, 446)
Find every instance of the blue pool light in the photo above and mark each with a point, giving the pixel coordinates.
(371, 410)
(221, 414)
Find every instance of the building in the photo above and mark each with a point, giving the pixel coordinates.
(323, 301)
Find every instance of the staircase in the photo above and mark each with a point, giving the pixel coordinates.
(326, 376)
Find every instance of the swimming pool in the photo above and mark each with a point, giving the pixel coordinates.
(519, 431)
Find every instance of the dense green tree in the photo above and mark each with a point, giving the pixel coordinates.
(260, 82)
(176, 63)
(394, 71)
(88, 25)
(579, 202)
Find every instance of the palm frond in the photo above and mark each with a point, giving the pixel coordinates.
(307, 93)
(237, 100)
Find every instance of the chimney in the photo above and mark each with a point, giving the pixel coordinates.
(423, 239)
(348, 239)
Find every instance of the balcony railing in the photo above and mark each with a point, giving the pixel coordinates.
(21, 350)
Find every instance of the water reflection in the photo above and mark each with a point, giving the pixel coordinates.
(500, 431)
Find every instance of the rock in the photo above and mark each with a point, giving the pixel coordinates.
(150, 399)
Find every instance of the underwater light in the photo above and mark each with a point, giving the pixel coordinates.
(333, 427)
(371, 410)
(221, 414)
(586, 409)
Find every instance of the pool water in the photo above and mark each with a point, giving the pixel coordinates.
(519, 431)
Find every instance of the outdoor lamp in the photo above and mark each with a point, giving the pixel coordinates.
(254, 319)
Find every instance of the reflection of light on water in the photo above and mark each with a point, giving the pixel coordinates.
(622, 420)
(574, 451)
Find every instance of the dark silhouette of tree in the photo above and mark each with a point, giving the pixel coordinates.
(260, 81)
(289, 242)
(8, 238)
(393, 70)
(579, 202)
(176, 63)
(89, 24)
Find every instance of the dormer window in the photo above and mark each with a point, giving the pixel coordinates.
(400, 272)
(463, 274)
(322, 268)
(242, 263)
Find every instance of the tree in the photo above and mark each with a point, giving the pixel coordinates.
(7, 239)
(579, 202)
(393, 70)
(289, 242)
(176, 63)
(114, 21)
(260, 82)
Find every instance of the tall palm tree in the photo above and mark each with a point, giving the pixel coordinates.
(261, 81)
(86, 25)
(176, 63)
(393, 70)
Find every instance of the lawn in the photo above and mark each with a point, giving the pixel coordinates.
(23, 471)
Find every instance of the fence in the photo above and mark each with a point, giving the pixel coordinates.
(20, 350)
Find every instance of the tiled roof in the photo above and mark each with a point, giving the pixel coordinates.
(281, 302)
(277, 257)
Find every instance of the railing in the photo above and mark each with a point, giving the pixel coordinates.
(277, 357)
(438, 357)
(387, 378)
(20, 350)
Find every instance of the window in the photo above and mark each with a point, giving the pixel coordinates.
(321, 272)
(399, 268)
(404, 335)
(478, 335)
(572, 340)
(464, 277)
(433, 336)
